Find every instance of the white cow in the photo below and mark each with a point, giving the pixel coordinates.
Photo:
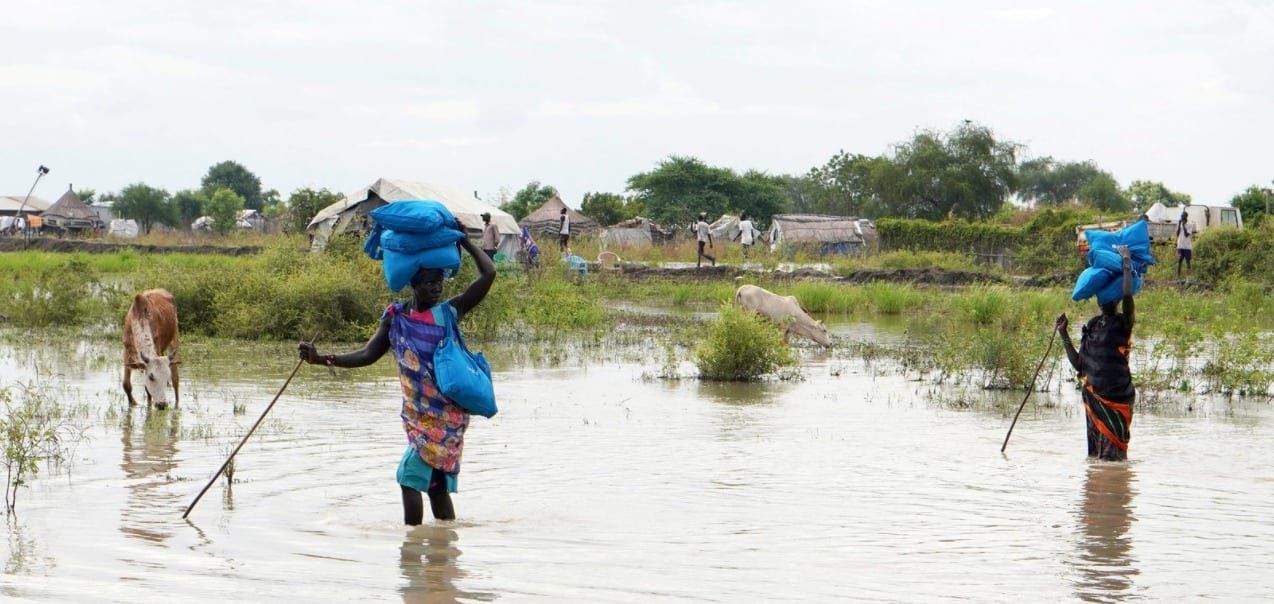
(785, 311)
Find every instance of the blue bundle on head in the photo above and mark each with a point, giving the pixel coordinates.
(411, 235)
(1104, 276)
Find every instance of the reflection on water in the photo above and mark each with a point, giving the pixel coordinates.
(148, 465)
(1105, 560)
(427, 559)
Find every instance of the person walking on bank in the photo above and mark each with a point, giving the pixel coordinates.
(435, 425)
(1102, 364)
(703, 234)
(1185, 242)
(747, 235)
(490, 236)
(564, 232)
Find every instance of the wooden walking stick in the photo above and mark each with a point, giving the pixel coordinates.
(1029, 390)
(226, 463)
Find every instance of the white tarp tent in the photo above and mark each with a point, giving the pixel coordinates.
(126, 229)
(338, 217)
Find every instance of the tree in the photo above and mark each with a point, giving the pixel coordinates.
(605, 208)
(965, 173)
(1252, 203)
(233, 176)
(679, 188)
(1145, 193)
(1045, 181)
(145, 204)
(527, 200)
(188, 205)
(304, 203)
(846, 185)
(1103, 193)
(86, 195)
(224, 207)
(758, 195)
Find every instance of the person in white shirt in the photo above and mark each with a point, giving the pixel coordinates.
(1185, 242)
(747, 234)
(703, 233)
(564, 231)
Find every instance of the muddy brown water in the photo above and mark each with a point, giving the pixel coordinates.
(597, 484)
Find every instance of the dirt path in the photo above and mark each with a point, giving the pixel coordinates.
(926, 276)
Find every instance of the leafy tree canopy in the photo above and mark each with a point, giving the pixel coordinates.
(527, 200)
(965, 173)
(1252, 203)
(224, 207)
(680, 188)
(86, 195)
(234, 176)
(1046, 181)
(1145, 193)
(145, 204)
(606, 208)
(304, 203)
(1104, 193)
(188, 205)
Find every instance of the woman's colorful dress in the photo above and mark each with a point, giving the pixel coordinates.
(435, 427)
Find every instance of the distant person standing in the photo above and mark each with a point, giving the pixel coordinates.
(1185, 242)
(703, 233)
(747, 234)
(564, 231)
(490, 236)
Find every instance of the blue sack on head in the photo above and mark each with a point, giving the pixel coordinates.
(1114, 291)
(414, 216)
(400, 267)
(1091, 281)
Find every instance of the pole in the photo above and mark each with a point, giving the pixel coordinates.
(226, 463)
(39, 173)
(1029, 390)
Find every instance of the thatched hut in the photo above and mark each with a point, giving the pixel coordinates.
(829, 234)
(70, 214)
(546, 220)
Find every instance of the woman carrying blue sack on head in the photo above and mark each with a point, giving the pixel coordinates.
(434, 424)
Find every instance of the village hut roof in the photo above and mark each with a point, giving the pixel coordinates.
(385, 190)
(9, 204)
(547, 219)
(69, 211)
(819, 228)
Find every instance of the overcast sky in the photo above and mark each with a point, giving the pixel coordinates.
(484, 95)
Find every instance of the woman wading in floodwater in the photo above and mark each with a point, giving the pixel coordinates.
(435, 426)
(1102, 363)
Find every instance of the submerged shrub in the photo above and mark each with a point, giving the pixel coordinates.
(68, 293)
(741, 346)
(983, 304)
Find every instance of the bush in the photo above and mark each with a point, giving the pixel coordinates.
(741, 346)
(1223, 253)
(67, 293)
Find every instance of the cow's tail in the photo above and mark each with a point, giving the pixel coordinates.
(738, 298)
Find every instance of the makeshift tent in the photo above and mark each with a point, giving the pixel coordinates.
(830, 234)
(69, 213)
(9, 205)
(628, 234)
(546, 220)
(724, 228)
(125, 228)
(351, 211)
(252, 218)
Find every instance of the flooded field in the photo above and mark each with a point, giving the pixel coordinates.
(597, 483)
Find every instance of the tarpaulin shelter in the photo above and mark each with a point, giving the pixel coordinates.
(351, 211)
(829, 234)
(633, 233)
(69, 213)
(9, 205)
(546, 220)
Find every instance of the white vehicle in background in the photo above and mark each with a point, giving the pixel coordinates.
(1163, 220)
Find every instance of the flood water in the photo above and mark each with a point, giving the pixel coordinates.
(596, 483)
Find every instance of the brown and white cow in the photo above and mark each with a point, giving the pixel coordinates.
(150, 344)
(785, 311)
